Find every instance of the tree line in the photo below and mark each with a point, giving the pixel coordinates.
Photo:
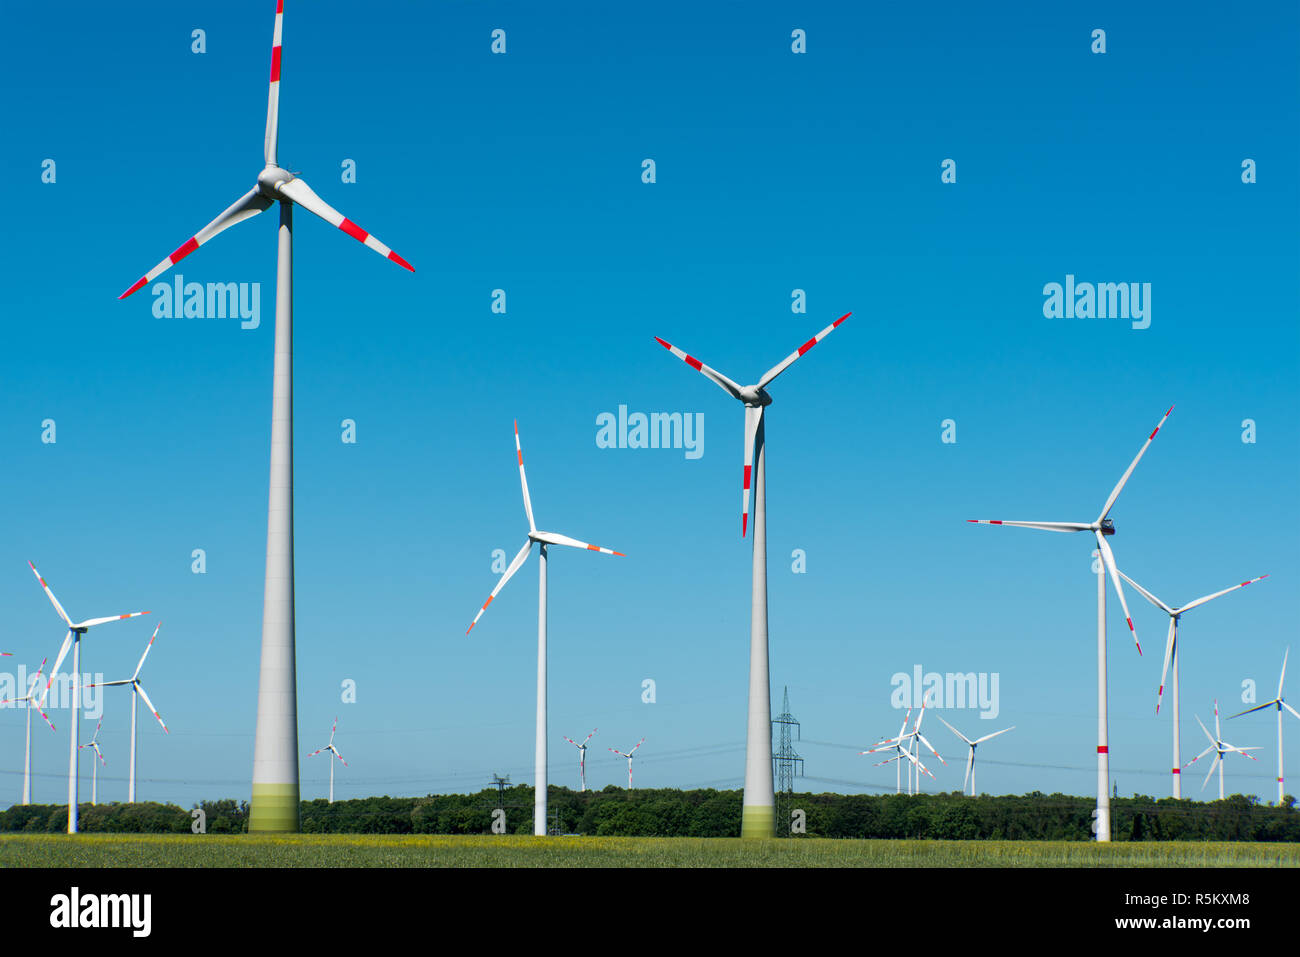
(711, 813)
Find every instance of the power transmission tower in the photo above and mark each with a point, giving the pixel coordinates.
(786, 763)
(501, 783)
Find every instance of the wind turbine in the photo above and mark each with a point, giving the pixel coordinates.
(628, 755)
(334, 751)
(970, 758)
(1171, 654)
(1279, 702)
(542, 539)
(1220, 748)
(31, 702)
(75, 631)
(582, 756)
(94, 768)
(897, 745)
(758, 808)
(137, 689)
(917, 739)
(274, 804)
(1101, 528)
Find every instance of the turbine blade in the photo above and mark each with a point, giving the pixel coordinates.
(63, 651)
(1282, 677)
(1201, 755)
(931, 747)
(92, 622)
(523, 481)
(247, 206)
(1261, 707)
(753, 419)
(1213, 764)
(954, 730)
(146, 651)
(1108, 558)
(994, 735)
(638, 744)
(273, 99)
(1291, 709)
(50, 595)
(1169, 654)
(590, 736)
(784, 364)
(1123, 479)
(718, 378)
(1044, 526)
(302, 194)
(514, 567)
(970, 763)
(1213, 741)
(149, 704)
(1148, 596)
(1202, 601)
(551, 538)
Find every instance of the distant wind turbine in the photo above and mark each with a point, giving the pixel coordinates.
(31, 702)
(582, 757)
(1220, 748)
(1279, 703)
(137, 689)
(94, 768)
(970, 758)
(628, 755)
(334, 751)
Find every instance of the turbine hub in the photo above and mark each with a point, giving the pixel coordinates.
(271, 179)
(755, 396)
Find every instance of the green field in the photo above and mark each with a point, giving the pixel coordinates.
(369, 850)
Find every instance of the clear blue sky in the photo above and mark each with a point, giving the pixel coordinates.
(775, 171)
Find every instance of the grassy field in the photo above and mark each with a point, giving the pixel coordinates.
(363, 850)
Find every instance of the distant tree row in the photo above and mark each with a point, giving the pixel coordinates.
(710, 813)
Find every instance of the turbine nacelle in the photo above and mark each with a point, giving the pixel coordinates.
(755, 396)
(271, 179)
(1106, 526)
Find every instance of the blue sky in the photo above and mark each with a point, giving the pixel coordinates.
(775, 172)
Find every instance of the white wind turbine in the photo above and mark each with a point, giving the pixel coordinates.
(1101, 527)
(1220, 748)
(73, 639)
(274, 805)
(970, 758)
(628, 755)
(582, 756)
(94, 768)
(334, 751)
(758, 809)
(902, 748)
(542, 539)
(1171, 655)
(137, 689)
(1280, 703)
(30, 702)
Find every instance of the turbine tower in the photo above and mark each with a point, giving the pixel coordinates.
(1220, 748)
(628, 755)
(758, 809)
(334, 751)
(30, 702)
(1279, 703)
(1101, 527)
(542, 539)
(1171, 655)
(970, 758)
(582, 757)
(137, 690)
(73, 639)
(274, 805)
(94, 768)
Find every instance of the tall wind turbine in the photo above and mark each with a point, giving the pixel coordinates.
(75, 630)
(334, 751)
(542, 539)
(1220, 748)
(582, 756)
(1101, 528)
(1279, 702)
(628, 755)
(137, 689)
(274, 804)
(1171, 655)
(970, 758)
(758, 809)
(30, 701)
(94, 768)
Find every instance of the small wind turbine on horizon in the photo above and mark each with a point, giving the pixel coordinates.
(93, 744)
(137, 689)
(902, 747)
(582, 757)
(1220, 748)
(1171, 655)
(758, 806)
(1280, 703)
(542, 539)
(970, 758)
(334, 751)
(628, 755)
(30, 701)
(1101, 527)
(73, 640)
(274, 805)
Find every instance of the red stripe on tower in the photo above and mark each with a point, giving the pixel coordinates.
(1102, 749)
(1177, 771)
